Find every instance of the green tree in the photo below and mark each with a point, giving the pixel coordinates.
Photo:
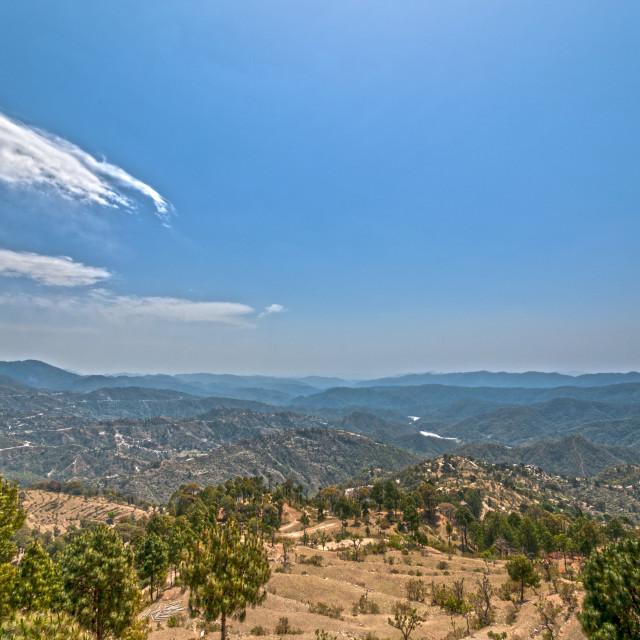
(391, 497)
(464, 518)
(430, 499)
(585, 536)
(152, 562)
(343, 509)
(270, 520)
(304, 521)
(377, 494)
(522, 571)
(614, 530)
(37, 585)
(529, 538)
(410, 515)
(225, 572)
(42, 626)
(611, 579)
(100, 582)
(12, 517)
(179, 540)
(406, 622)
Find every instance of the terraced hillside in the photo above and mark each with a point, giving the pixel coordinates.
(50, 511)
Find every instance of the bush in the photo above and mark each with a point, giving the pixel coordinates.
(284, 628)
(380, 546)
(415, 590)
(315, 560)
(567, 591)
(402, 608)
(324, 609)
(364, 605)
(178, 620)
(512, 615)
(259, 631)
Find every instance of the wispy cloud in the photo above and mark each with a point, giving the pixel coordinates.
(175, 309)
(114, 308)
(30, 158)
(59, 271)
(271, 309)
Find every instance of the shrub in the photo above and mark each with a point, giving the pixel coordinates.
(364, 605)
(402, 608)
(324, 609)
(284, 628)
(315, 560)
(512, 615)
(567, 591)
(176, 621)
(259, 631)
(415, 590)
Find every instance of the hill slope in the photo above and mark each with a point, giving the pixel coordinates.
(429, 400)
(571, 456)
(313, 457)
(523, 424)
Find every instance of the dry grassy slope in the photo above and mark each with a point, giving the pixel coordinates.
(340, 583)
(532, 485)
(336, 582)
(46, 510)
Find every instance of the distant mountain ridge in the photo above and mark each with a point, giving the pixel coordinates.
(521, 424)
(284, 390)
(427, 400)
(41, 375)
(571, 456)
(529, 379)
(56, 423)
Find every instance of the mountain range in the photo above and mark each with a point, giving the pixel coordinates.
(61, 425)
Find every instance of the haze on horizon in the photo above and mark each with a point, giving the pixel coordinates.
(346, 189)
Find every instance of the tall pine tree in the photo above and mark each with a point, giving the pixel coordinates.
(225, 572)
(38, 585)
(12, 517)
(101, 583)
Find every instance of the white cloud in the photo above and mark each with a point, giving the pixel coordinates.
(36, 159)
(175, 309)
(103, 304)
(59, 271)
(271, 309)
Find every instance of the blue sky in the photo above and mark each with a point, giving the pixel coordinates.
(353, 188)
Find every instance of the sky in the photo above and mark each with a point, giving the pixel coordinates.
(353, 188)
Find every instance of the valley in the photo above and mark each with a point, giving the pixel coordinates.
(371, 501)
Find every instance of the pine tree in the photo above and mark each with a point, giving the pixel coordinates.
(152, 562)
(38, 585)
(42, 626)
(180, 537)
(12, 517)
(100, 582)
(225, 572)
(464, 518)
(521, 570)
(611, 606)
